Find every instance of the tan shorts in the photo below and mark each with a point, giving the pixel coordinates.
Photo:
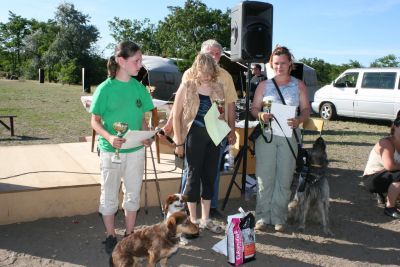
(130, 172)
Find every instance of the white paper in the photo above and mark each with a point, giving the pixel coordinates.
(158, 103)
(86, 101)
(282, 113)
(217, 129)
(135, 138)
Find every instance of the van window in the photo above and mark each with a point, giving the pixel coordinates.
(347, 80)
(380, 80)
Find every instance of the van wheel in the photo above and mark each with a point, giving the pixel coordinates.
(327, 111)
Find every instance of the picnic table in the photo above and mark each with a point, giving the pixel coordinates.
(11, 118)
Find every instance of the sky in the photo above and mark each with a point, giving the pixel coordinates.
(334, 31)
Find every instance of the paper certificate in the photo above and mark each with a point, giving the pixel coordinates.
(217, 129)
(135, 138)
(282, 113)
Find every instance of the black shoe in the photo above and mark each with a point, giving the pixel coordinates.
(215, 214)
(110, 243)
(392, 212)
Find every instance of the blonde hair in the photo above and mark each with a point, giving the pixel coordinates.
(282, 50)
(205, 63)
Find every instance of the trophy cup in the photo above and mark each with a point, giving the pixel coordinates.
(266, 104)
(220, 104)
(121, 128)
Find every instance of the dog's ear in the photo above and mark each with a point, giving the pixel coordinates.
(179, 217)
(169, 200)
(171, 224)
(185, 198)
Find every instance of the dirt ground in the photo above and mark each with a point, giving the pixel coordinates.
(363, 235)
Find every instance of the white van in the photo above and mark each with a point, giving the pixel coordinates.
(371, 93)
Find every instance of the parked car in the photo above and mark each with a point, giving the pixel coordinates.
(371, 93)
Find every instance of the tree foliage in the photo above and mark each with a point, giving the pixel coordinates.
(141, 32)
(65, 44)
(12, 34)
(72, 43)
(181, 33)
(386, 61)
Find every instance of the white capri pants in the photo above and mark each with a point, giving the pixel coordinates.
(130, 172)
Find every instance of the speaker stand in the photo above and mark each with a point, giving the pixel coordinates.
(242, 155)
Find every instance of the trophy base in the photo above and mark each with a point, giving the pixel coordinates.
(116, 159)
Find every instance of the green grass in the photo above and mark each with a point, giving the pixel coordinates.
(47, 113)
(53, 113)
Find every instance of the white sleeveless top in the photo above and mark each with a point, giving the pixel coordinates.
(290, 92)
(375, 164)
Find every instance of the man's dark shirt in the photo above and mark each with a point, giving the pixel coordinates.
(255, 80)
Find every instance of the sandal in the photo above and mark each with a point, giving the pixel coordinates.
(215, 228)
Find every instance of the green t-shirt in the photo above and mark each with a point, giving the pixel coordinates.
(117, 101)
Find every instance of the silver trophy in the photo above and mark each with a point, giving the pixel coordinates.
(120, 128)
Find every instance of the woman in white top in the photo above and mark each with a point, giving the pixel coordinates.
(382, 172)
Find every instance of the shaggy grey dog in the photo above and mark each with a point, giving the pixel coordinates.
(313, 201)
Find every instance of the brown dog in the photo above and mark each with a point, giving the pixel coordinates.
(156, 242)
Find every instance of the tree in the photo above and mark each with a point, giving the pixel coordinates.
(186, 28)
(140, 32)
(322, 68)
(37, 43)
(181, 33)
(74, 41)
(386, 61)
(12, 34)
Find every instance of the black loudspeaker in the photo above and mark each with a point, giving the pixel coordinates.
(251, 32)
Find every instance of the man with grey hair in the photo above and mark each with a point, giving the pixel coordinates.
(215, 49)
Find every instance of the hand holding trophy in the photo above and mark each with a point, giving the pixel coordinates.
(121, 128)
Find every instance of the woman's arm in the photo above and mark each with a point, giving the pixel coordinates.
(304, 107)
(257, 103)
(177, 109)
(385, 148)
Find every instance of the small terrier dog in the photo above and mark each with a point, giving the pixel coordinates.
(156, 242)
(313, 201)
(174, 203)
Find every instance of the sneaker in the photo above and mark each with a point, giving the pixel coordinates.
(110, 243)
(392, 212)
(279, 227)
(215, 214)
(260, 226)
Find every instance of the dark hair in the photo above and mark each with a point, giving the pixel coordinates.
(396, 123)
(282, 50)
(257, 66)
(124, 49)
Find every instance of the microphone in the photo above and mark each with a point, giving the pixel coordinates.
(161, 131)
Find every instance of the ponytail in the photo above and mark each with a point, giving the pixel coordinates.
(125, 50)
(112, 67)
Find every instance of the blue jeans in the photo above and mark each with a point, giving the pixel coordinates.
(214, 199)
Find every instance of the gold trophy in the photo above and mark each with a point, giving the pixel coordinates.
(266, 104)
(120, 128)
